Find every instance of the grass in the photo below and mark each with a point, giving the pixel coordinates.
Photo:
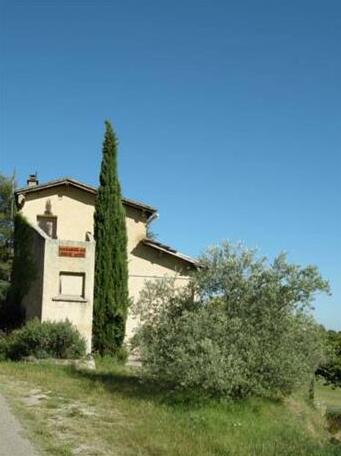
(328, 396)
(328, 399)
(111, 411)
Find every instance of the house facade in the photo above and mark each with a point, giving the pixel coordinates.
(61, 217)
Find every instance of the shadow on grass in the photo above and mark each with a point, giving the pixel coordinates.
(131, 384)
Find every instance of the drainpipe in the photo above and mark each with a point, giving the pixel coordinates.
(150, 219)
(153, 217)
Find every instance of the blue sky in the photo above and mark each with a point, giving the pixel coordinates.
(228, 115)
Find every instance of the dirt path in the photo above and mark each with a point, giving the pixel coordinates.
(12, 439)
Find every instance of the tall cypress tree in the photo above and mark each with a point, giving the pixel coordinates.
(111, 266)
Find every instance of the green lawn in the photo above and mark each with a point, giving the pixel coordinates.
(113, 412)
(328, 396)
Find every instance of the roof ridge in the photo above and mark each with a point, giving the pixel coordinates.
(88, 187)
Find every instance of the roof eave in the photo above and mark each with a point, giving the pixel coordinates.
(89, 188)
(172, 252)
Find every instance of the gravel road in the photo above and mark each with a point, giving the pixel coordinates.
(12, 439)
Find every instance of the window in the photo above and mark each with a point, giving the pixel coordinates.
(48, 223)
(72, 284)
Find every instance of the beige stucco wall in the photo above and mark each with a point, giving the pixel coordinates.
(55, 306)
(74, 209)
(44, 301)
(32, 301)
(145, 264)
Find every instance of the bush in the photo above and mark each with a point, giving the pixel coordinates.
(4, 344)
(23, 273)
(43, 340)
(333, 416)
(330, 369)
(240, 327)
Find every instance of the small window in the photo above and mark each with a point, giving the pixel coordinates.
(48, 224)
(72, 284)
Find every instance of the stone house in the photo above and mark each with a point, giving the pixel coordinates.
(60, 213)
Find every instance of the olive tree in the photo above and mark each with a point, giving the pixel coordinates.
(241, 326)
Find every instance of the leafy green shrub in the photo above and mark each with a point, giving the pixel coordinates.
(240, 327)
(330, 369)
(45, 340)
(121, 354)
(24, 272)
(333, 416)
(4, 346)
(108, 361)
